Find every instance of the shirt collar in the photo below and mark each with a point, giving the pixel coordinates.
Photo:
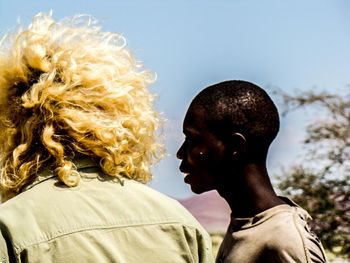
(48, 172)
(242, 223)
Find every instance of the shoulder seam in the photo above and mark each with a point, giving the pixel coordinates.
(301, 236)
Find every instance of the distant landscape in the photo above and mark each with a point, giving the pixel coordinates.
(213, 214)
(210, 210)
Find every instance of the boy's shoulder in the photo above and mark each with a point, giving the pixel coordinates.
(280, 233)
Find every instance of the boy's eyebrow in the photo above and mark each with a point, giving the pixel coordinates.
(190, 131)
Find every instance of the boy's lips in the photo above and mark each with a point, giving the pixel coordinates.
(183, 169)
(186, 178)
(186, 173)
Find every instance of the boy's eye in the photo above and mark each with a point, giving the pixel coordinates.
(191, 140)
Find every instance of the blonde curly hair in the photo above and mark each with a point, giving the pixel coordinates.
(65, 88)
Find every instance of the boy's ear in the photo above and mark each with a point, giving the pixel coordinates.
(238, 144)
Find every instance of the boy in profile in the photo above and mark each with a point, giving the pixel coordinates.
(228, 128)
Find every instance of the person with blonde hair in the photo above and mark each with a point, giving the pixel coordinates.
(78, 139)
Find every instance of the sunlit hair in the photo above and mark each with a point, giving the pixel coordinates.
(68, 88)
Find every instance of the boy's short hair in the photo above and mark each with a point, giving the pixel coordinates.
(240, 106)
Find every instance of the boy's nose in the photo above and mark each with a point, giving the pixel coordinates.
(180, 152)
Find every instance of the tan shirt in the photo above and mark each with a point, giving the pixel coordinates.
(279, 234)
(99, 221)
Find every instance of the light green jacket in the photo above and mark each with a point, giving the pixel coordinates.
(98, 221)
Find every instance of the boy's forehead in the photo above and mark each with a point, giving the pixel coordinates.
(198, 120)
(195, 116)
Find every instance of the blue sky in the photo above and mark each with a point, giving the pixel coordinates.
(190, 44)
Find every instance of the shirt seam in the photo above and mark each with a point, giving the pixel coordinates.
(301, 236)
(265, 219)
(28, 244)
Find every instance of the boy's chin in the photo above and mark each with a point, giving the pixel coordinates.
(200, 190)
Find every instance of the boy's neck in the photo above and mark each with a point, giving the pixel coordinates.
(252, 192)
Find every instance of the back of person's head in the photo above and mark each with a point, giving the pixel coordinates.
(240, 107)
(66, 89)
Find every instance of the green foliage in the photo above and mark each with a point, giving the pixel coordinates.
(320, 182)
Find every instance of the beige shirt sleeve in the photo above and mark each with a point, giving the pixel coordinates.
(199, 245)
(4, 258)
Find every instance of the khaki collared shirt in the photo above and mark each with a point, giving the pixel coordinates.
(279, 234)
(100, 220)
